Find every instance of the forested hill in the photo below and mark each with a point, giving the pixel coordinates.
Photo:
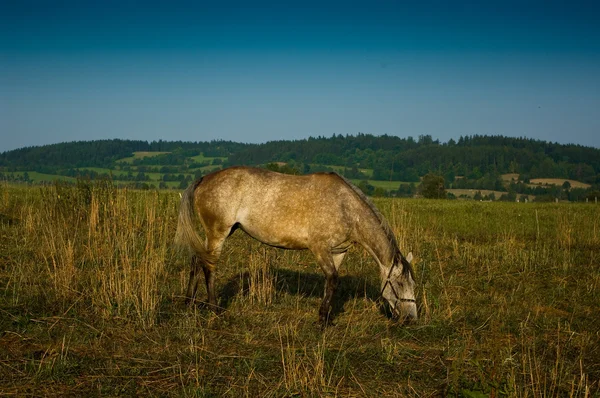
(390, 158)
(404, 159)
(104, 153)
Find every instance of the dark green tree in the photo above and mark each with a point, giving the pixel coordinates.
(432, 186)
(367, 188)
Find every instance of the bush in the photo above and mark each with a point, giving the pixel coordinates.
(432, 186)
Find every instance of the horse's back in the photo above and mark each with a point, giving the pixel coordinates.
(238, 183)
(279, 209)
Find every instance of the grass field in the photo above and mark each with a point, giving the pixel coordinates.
(91, 303)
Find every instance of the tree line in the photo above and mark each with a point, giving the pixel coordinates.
(105, 153)
(406, 159)
(475, 162)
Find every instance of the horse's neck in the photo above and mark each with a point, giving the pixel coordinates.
(381, 244)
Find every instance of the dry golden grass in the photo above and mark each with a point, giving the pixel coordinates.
(91, 303)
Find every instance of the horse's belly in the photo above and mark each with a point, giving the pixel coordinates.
(294, 229)
(295, 241)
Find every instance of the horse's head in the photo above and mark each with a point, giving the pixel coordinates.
(398, 288)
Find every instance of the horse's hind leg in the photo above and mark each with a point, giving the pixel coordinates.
(194, 280)
(209, 277)
(214, 244)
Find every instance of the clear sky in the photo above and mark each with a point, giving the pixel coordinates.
(256, 71)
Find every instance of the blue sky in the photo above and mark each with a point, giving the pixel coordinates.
(260, 71)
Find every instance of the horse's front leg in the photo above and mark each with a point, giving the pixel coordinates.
(327, 264)
(330, 287)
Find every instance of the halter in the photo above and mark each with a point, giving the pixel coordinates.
(388, 280)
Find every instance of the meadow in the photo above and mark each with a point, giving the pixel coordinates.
(91, 303)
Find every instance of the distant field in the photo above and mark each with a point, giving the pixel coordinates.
(340, 169)
(387, 185)
(510, 177)
(99, 170)
(156, 176)
(41, 177)
(545, 181)
(207, 169)
(201, 158)
(140, 155)
(471, 193)
(557, 181)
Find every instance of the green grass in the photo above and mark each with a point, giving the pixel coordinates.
(91, 303)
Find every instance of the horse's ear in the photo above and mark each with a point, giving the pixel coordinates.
(409, 257)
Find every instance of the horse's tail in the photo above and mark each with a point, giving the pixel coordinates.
(187, 236)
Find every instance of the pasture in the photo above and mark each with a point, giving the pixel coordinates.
(92, 303)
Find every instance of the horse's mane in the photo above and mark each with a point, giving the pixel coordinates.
(383, 222)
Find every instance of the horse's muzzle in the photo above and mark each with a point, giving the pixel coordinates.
(407, 312)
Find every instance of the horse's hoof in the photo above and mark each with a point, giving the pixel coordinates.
(324, 323)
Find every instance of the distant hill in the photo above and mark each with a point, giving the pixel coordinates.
(479, 161)
(102, 153)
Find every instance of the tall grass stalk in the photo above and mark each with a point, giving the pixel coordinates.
(261, 280)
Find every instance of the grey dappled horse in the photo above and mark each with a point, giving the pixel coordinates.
(321, 212)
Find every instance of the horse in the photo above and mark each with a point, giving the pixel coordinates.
(321, 212)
